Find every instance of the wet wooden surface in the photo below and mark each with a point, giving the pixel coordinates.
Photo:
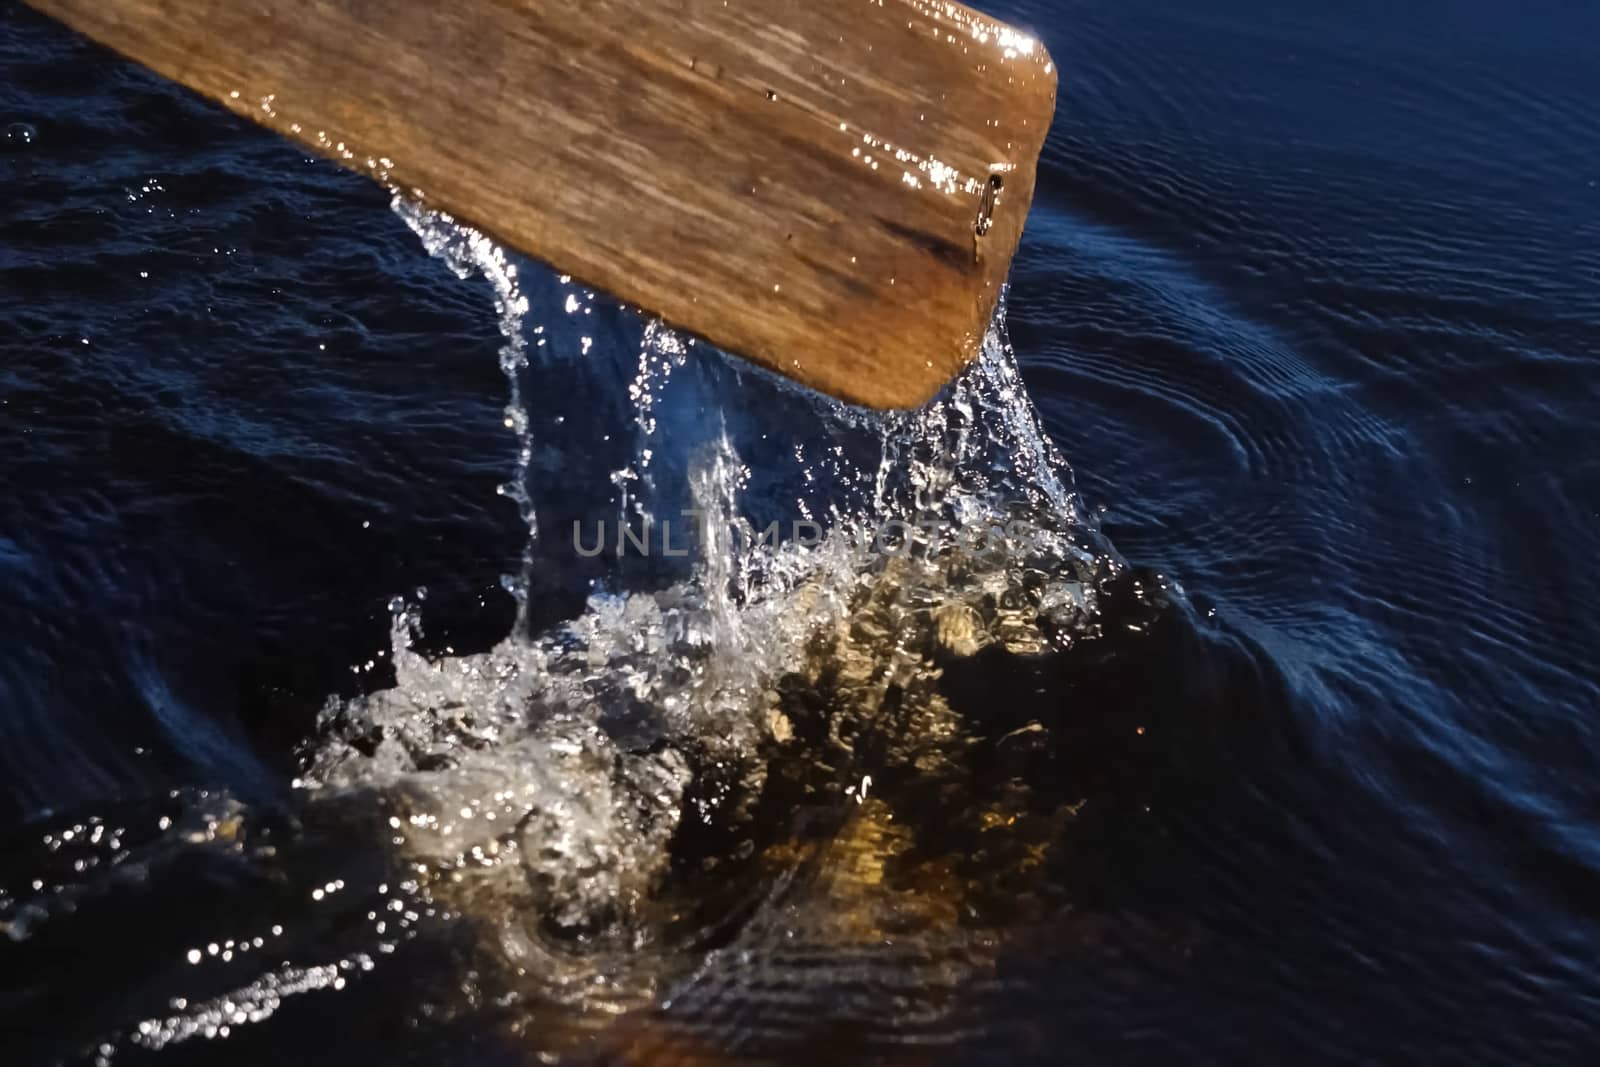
(832, 189)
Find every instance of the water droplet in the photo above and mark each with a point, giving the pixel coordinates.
(20, 135)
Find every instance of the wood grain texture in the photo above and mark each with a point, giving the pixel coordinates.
(801, 182)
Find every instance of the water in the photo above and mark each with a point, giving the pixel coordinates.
(1270, 734)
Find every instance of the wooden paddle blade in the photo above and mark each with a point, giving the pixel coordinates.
(833, 189)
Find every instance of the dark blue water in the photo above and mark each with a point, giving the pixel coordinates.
(1310, 300)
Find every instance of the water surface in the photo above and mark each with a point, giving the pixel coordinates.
(1281, 743)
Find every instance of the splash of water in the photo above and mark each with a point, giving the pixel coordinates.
(583, 738)
(550, 789)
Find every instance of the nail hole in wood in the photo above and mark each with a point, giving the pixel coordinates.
(986, 206)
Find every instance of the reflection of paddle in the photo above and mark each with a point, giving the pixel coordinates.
(831, 188)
